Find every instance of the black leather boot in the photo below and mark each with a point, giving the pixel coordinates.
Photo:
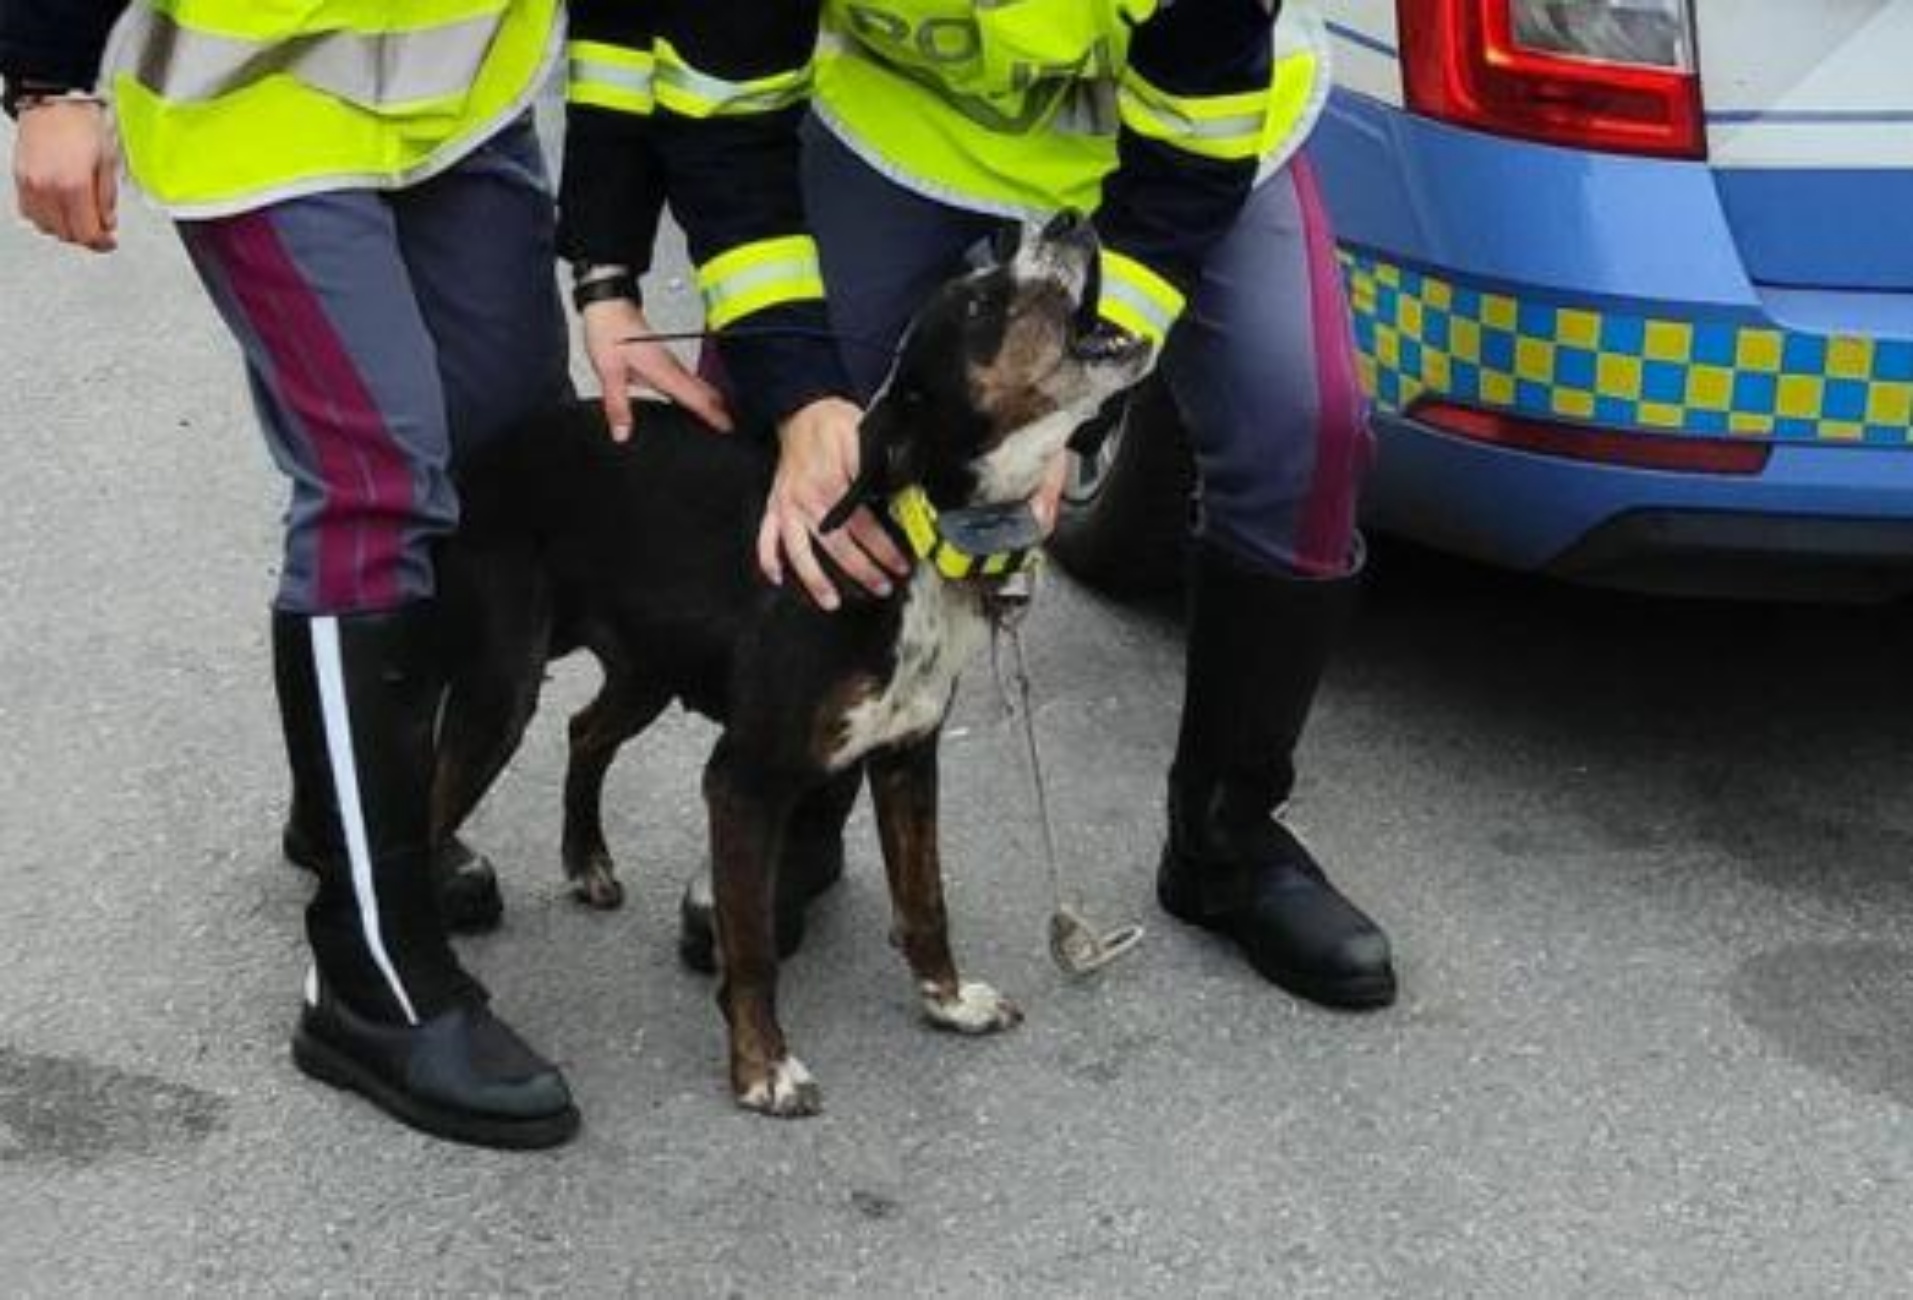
(389, 1012)
(1258, 644)
(813, 861)
(463, 880)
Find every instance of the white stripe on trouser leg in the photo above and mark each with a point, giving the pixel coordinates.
(345, 781)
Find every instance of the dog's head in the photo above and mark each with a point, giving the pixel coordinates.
(996, 372)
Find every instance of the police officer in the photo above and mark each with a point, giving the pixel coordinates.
(1178, 123)
(367, 209)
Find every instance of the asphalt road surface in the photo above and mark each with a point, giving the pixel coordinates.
(1649, 868)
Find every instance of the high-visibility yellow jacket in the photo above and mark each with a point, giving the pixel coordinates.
(1157, 115)
(697, 102)
(224, 105)
(1025, 106)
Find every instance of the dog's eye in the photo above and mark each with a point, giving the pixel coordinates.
(981, 305)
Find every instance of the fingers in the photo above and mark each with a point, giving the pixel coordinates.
(664, 372)
(604, 323)
(106, 189)
(609, 325)
(43, 203)
(65, 174)
(852, 553)
(874, 540)
(789, 541)
(796, 537)
(1046, 505)
(106, 186)
(788, 538)
(769, 549)
(616, 396)
(80, 218)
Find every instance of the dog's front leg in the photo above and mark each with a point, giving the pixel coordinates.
(748, 815)
(903, 784)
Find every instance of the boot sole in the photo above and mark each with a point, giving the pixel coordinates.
(1370, 993)
(320, 1060)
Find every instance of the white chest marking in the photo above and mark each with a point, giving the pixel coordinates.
(943, 627)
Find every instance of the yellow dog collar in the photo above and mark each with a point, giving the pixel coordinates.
(966, 554)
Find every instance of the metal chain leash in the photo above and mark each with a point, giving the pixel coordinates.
(1078, 947)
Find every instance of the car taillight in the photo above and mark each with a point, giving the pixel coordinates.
(1615, 75)
(1683, 454)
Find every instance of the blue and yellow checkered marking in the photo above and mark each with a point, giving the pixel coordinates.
(1423, 336)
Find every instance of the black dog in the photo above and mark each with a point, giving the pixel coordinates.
(642, 554)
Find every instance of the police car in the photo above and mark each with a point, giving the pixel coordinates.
(1632, 283)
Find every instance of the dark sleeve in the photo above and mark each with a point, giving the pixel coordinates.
(55, 42)
(733, 87)
(1195, 102)
(714, 135)
(611, 191)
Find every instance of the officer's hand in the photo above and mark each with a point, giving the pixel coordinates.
(1048, 501)
(620, 366)
(66, 174)
(816, 465)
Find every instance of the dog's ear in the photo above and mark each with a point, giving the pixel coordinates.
(880, 456)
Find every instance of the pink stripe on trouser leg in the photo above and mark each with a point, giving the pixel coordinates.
(365, 474)
(1325, 538)
(1261, 369)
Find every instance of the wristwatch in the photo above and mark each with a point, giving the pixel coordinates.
(602, 281)
(21, 94)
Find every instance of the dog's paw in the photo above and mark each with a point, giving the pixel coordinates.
(972, 1009)
(466, 886)
(595, 884)
(469, 901)
(787, 1092)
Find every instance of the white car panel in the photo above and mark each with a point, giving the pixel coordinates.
(1808, 83)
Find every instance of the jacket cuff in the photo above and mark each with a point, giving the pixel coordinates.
(1138, 299)
(27, 68)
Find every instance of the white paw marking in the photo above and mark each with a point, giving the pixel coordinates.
(698, 888)
(790, 1091)
(975, 1009)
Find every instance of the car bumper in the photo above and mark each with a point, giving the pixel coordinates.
(1607, 293)
(1819, 523)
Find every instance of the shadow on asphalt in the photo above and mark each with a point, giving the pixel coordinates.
(1746, 691)
(1716, 748)
(1712, 750)
(1781, 733)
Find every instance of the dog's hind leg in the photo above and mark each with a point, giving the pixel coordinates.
(903, 785)
(622, 709)
(497, 623)
(748, 816)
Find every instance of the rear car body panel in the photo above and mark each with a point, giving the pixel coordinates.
(1810, 128)
(1666, 299)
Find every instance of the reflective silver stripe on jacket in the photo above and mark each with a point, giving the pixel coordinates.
(371, 69)
(715, 95)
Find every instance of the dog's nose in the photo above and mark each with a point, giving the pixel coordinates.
(1064, 224)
